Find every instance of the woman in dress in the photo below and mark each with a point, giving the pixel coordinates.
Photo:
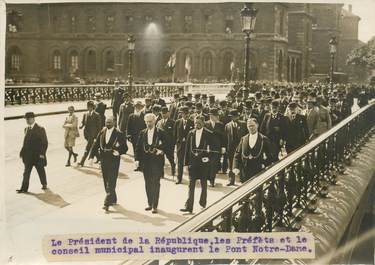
(71, 133)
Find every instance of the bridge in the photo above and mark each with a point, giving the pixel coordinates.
(324, 188)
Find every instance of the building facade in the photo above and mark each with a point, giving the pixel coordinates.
(55, 42)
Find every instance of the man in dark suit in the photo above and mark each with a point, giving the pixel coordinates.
(92, 125)
(298, 132)
(234, 131)
(158, 100)
(167, 125)
(33, 152)
(110, 144)
(150, 152)
(136, 124)
(197, 158)
(181, 129)
(126, 109)
(254, 153)
(100, 108)
(218, 143)
(117, 99)
(173, 108)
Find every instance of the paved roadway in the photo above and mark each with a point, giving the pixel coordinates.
(73, 202)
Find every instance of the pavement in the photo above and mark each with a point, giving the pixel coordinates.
(73, 202)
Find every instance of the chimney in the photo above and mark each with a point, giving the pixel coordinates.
(350, 9)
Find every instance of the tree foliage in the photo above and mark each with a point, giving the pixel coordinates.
(363, 55)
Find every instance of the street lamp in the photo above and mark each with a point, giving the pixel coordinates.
(131, 48)
(248, 18)
(332, 50)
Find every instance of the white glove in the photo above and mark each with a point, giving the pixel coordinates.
(136, 164)
(115, 153)
(159, 152)
(223, 150)
(236, 171)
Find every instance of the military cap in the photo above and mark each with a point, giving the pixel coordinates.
(184, 109)
(233, 113)
(156, 108)
(292, 105)
(214, 111)
(164, 109)
(199, 105)
(29, 115)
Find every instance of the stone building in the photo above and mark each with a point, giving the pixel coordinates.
(47, 42)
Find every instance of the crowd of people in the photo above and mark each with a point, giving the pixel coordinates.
(240, 135)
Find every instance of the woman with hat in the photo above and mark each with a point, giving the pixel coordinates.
(71, 133)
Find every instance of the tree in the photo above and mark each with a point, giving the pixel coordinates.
(363, 55)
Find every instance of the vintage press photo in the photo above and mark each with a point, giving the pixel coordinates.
(218, 117)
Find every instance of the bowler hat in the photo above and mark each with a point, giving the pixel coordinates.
(29, 115)
(164, 109)
(233, 113)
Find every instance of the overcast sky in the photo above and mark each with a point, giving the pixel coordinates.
(366, 10)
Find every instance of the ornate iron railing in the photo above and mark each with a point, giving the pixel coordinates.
(33, 94)
(275, 199)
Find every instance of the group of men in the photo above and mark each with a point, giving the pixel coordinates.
(240, 135)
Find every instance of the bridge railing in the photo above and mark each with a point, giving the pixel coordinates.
(275, 199)
(34, 94)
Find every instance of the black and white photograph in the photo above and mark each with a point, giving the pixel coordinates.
(189, 117)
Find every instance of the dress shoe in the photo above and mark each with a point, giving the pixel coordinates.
(97, 162)
(178, 182)
(154, 211)
(105, 208)
(186, 210)
(67, 164)
(80, 164)
(148, 208)
(21, 191)
(44, 187)
(137, 169)
(75, 157)
(230, 184)
(212, 184)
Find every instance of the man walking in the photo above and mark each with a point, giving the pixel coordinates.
(33, 152)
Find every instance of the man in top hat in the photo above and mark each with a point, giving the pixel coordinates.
(156, 110)
(181, 129)
(234, 130)
(33, 152)
(117, 99)
(335, 114)
(167, 125)
(298, 132)
(100, 108)
(91, 123)
(173, 108)
(254, 153)
(275, 126)
(158, 100)
(224, 112)
(135, 125)
(110, 144)
(199, 110)
(126, 109)
(248, 111)
(197, 158)
(218, 143)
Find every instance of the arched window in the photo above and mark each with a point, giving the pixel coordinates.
(73, 61)
(228, 64)
(14, 59)
(56, 60)
(109, 61)
(207, 64)
(91, 61)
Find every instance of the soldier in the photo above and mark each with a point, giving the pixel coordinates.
(181, 130)
(197, 159)
(100, 108)
(110, 144)
(234, 131)
(151, 147)
(33, 152)
(117, 99)
(126, 109)
(135, 125)
(167, 125)
(92, 125)
(254, 153)
(298, 132)
(218, 143)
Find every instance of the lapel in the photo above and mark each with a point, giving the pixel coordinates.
(245, 144)
(102, 138)
(112, 138)
(154, 136)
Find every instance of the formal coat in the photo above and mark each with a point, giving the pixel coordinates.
(109, 160)
(275, 127)
(136, 124)
(100, 109)
(234, 131)
(168, 127)
(312, 118)
(197, 158)
(180, 136)
(173, 110)
(298, 132)
(71, 130)
(92, 126)
(324, 120)
(34, 146)
(117, 100)
(151, 164)
(251, 161)
(126, 109)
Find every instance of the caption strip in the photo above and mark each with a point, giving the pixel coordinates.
(129, 246)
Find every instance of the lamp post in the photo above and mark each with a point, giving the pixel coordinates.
(248, 18)
(131, 48)
(332, 50)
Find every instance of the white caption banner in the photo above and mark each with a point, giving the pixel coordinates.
(166, 246)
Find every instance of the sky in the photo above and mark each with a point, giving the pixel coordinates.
(366, 10)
